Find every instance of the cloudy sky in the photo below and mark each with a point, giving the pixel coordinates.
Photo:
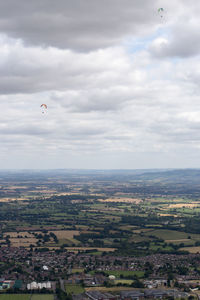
(121, 83)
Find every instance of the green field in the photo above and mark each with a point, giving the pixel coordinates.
(26, 297)
(123, 281)
(15, 297)
(140, 274)
(42, 297)
(74, 289)
(171, 234)
(77, 270)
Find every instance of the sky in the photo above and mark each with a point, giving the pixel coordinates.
(121, 82)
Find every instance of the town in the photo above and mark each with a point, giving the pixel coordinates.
(80, 273)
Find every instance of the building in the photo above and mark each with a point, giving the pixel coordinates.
(38, 286)
(96, 295)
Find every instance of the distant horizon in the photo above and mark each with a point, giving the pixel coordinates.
(94, 169)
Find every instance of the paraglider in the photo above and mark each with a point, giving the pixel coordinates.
(44, 107)
(161, 11)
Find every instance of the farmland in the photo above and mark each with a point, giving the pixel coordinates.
(26, 297)
(15, 297)
(95, 212)
(76, 229)
(74, 289)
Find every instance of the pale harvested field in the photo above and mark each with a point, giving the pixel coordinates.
(191, 249)
(66, 234)
(76, 249)
(28, 238)
(77, 201)
(168, 215)
(67, 194)
(14, 187)
(82, 227)
(48, 192)
(181, 205)
(16, 242)
(61, 234)
(10, 199)
(142, 230)
(21, 233)
(123, 200)
(91, 248)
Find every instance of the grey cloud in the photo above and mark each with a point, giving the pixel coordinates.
(107, 102)
(102, 100)
(183, 39)
(32, 70)
(76, 24)
(23, 130)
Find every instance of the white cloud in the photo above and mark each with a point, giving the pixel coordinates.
(112, 101)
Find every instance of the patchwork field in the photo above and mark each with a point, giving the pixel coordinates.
(123, 200)
(171, 235)
(66, 234)
(90, 248)
(191, 249)
(25, 238)
(22, 242)
(181, 205)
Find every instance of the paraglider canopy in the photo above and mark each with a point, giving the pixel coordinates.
(44, 107)
(160, 11)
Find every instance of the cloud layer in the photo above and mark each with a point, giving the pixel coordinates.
(121, 84)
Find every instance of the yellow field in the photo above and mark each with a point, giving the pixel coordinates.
(123, 200)
(181, 205)
(65, 234)
(15, 187)
(76, 249)
(168, 215)
(61, 234)
(10, 199)
(26, 238)
(14, 234)
(90, 248)
(191, 249)
(16, 242)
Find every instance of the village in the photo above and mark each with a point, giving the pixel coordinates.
(82, 274)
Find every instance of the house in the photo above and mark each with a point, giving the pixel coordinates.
(96, 295)
(38, 286)
(131, 295)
